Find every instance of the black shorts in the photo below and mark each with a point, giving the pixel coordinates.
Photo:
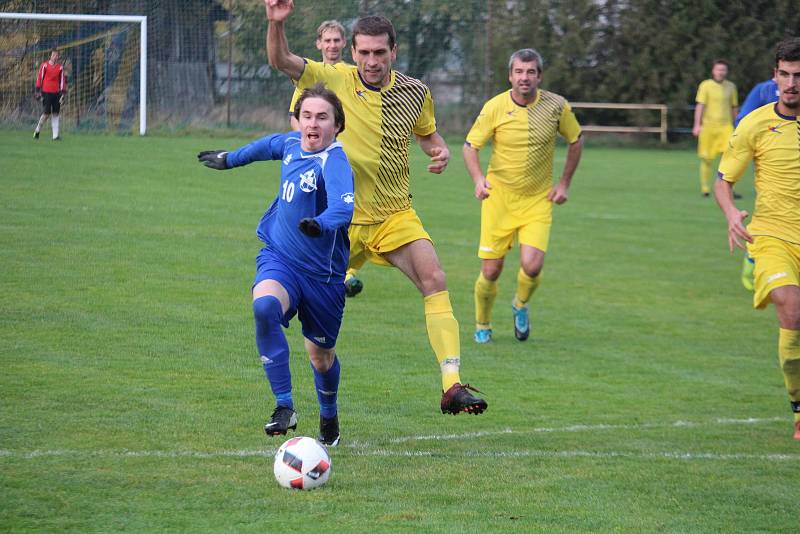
(51, 102)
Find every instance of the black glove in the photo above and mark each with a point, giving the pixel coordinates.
(310, 227)
(214, 159)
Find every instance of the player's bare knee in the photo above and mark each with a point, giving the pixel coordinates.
(533, 267)
(321, 358)
(492, 270)
(433, 281)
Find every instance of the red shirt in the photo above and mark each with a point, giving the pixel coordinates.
(51, 78)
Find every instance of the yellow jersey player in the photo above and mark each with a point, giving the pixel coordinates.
(384, 108)
(517, 193)
(767, 136)
(714, 113)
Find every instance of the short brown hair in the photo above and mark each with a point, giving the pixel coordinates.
(330, 25)
(721, 62)
(374, 25)
(787, 50)
(320, 91)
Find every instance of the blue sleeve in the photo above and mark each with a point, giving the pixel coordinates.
(757, 97)
(339, 189)
(266, 148)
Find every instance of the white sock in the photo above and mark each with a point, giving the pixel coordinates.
(55, 126)
(40, 123)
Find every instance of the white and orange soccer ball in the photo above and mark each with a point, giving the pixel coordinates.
(302, 463)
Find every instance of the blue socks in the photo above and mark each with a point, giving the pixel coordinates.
(273, 348)
(327, 385)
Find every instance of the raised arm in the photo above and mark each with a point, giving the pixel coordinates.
(278, 53)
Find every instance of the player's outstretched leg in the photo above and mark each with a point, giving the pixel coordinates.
(789, 357)
(274, 351)
(39, 125)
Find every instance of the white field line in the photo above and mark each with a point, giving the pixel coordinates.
(370, 449)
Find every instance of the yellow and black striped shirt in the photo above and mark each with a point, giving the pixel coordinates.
(523, 140)
(378, 128)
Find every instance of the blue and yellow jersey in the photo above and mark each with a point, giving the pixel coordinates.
(771, 141)
(719, 99)
(523, 139)
(379, 122)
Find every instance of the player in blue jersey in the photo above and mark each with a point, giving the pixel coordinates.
(302, 266)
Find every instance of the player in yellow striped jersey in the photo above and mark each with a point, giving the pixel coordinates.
(517, 193)
(716, 105)
(383, 109)
(770, 137)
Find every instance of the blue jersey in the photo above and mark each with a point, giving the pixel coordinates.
(760, 95)
(313, 184)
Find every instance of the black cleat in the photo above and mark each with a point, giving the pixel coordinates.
(36, 135)
(736, 196)
(352, 286)
(329, 431)
(706, 194)
(57, 139)
(282, 419)
(457, 399)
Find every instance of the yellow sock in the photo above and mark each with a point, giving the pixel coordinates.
(443, 335)
(485, 293)
(789, 357)
(350, 274)
(526, 285)
(705, 175)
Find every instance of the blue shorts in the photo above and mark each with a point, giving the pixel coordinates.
(318, 305)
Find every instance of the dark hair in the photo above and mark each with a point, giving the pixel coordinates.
(720, 62)
(787, 50)
(526, 55)
(320, 91)
(375, 26)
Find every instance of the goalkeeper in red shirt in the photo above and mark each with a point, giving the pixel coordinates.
(51, 86)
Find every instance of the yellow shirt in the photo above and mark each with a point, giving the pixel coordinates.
(524, 139)
(770, 140)
(379, 123)
(719, 99)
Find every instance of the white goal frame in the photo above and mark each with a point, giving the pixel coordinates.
(139, 19)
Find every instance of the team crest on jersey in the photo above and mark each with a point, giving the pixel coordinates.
(308, 181)
(348, 198)
(287, 160)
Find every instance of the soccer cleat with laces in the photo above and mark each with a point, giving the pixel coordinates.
(282, 419)
(352, 286)
(457, 399)
(483, 335)
(522, 324)
(329, 431)
(36, 135)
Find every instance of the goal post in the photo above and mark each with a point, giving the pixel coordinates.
(134, 19)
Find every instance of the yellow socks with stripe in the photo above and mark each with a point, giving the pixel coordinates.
(705, 175)
(485, 293)
(789, 357)
(526, 285)
(443, 335)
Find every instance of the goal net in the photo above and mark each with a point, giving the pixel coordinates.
(102, 59)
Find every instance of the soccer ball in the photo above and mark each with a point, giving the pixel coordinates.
(302, 463)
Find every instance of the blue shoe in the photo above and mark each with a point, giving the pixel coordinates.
(522, 325)
(483, 335)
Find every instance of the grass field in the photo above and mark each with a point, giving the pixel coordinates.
(648, 399)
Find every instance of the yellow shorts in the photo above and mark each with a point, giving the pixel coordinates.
(506, 215)
(777, 264)
(372, 241)
(713, 140)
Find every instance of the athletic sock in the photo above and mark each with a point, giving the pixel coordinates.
(40, 123)
(789, 357)
(443, 336)
(526, 285)
(705, 175)
(54, 121)
(327, 385)
(485, 294)
(273, 348)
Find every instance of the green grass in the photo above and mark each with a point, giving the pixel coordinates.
(132, 397)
